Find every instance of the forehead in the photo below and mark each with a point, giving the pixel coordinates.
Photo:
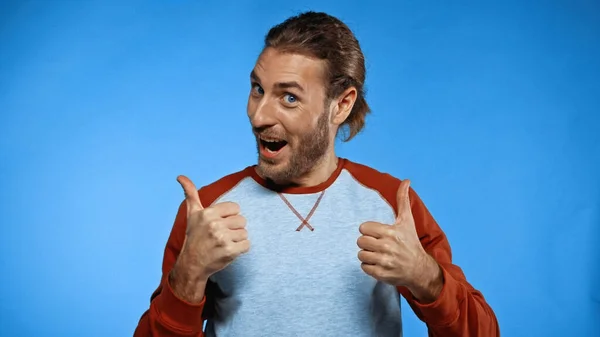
(274, 67)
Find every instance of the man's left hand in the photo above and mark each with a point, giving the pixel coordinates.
(393, 253)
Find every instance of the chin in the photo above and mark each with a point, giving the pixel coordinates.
(276, 171)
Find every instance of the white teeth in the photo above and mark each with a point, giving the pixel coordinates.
(270, 140)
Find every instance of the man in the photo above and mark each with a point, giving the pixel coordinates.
(334, 243)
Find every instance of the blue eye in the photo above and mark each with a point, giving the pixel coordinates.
(289, 98)
(258, 89)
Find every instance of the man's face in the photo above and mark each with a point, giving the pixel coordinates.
(287, 110)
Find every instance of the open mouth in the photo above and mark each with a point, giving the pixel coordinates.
(271, 147)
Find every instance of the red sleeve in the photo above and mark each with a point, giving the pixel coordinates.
(169, 316)
(460, 310)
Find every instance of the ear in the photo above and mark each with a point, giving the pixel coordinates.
(342, 105)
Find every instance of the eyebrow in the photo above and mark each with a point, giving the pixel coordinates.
(279, 85)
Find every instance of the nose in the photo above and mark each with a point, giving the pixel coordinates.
(261, 113)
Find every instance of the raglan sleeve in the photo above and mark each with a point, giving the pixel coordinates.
(168, 315)
(460, 309)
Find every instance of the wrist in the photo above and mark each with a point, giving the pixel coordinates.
(187, 282)
(190, 264)
(428, 282)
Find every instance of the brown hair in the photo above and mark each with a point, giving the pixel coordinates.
(327, 38)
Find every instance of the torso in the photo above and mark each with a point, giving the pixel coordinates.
(305, 283)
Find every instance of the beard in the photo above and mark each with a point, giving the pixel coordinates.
(310, 149)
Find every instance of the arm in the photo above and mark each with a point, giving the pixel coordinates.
(451, 307)
(169, 315)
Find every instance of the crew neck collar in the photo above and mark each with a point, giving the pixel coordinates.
(299, 190)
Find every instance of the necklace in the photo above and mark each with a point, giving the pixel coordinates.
(310, 214)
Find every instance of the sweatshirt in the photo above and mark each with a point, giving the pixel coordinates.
(302, 276)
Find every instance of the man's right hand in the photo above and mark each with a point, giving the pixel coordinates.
(215, 236)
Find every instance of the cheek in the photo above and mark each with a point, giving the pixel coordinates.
(295, 130)
(299, 135)
(297, 121)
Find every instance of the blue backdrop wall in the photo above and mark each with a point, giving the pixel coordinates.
(491, 111)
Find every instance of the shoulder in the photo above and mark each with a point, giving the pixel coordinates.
(211, 192)
(384, 183)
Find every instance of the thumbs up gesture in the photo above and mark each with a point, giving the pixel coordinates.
(215, 235)
(393, 253)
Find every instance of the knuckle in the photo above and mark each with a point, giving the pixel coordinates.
(215, 233)
(220, 239)
(231, 207)
(229, 251)
(204, 217)
(213, 226)
(208, 212)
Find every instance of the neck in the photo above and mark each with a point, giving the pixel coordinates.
(320, 172)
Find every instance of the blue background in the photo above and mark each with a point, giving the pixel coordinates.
(491, 111)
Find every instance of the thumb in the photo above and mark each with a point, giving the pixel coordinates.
(191, 194)
(402, 200)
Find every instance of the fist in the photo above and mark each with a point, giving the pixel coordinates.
(215, 235)
(393, 253)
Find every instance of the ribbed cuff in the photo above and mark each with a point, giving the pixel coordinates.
(444, 310)
(178, 313)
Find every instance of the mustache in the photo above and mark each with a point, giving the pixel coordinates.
(268, 133)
